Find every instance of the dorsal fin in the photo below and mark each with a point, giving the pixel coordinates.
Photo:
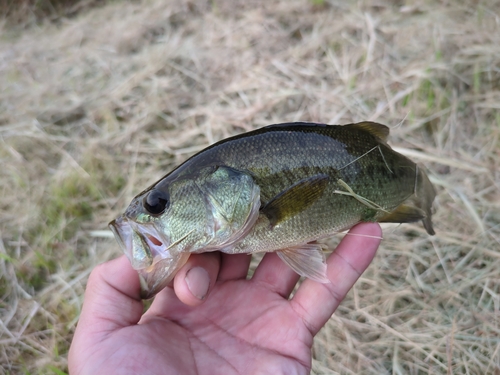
(378, 130)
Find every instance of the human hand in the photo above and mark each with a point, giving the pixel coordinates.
(239, 326)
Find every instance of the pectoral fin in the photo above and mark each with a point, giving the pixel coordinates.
(307, 260)
(295, 199)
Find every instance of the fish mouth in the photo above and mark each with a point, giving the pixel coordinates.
(142, 244)
(148, 253)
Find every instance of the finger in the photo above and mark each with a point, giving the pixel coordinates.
(196, 278)
(112, 298)
(234, 267)
(165, 303)
(275, 275)
(316, 302)
(191, 286)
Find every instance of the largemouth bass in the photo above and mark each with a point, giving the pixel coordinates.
(278, 188)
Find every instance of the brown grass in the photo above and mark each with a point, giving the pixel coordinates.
(25, 13)
(96, 107)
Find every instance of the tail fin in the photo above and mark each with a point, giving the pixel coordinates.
(424, 196)
(417, 207)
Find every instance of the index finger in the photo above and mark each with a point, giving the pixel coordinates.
(316, 302)
(112, 301)
(112, 297)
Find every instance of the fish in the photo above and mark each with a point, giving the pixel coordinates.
(278, 189)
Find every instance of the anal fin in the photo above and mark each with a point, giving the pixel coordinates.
(307, 260)
(404, 213)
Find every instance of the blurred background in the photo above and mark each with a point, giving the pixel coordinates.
(99, 99)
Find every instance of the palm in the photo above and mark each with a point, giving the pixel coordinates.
(243, 317)
(244, 326)
(238, 318)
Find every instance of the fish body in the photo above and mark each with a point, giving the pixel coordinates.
(278, 188)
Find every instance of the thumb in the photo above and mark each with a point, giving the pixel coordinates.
(191, 286)
(112, 301)
(112, 298)
(197, 277)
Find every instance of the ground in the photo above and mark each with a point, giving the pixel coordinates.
(100, 101)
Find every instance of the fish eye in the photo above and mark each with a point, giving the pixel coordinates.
(156, 202)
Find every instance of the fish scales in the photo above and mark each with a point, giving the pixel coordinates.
(307, 181)
(294, 153)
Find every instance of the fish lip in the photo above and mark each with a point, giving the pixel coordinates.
(157, 245)
(150, 287)
(146, 291)
(158, 274)
(123, 235)
(157, 277)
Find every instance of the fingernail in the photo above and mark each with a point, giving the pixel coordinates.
(198, 282)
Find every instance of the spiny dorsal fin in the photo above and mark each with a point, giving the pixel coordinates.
(295, 199)
(378, 130)
(307, 260)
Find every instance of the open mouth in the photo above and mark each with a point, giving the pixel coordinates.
(148, 253)
(155, 241)
(142, 244)
(157, 248)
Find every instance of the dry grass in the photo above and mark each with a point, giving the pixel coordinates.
(25, 13)
(95, 108)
